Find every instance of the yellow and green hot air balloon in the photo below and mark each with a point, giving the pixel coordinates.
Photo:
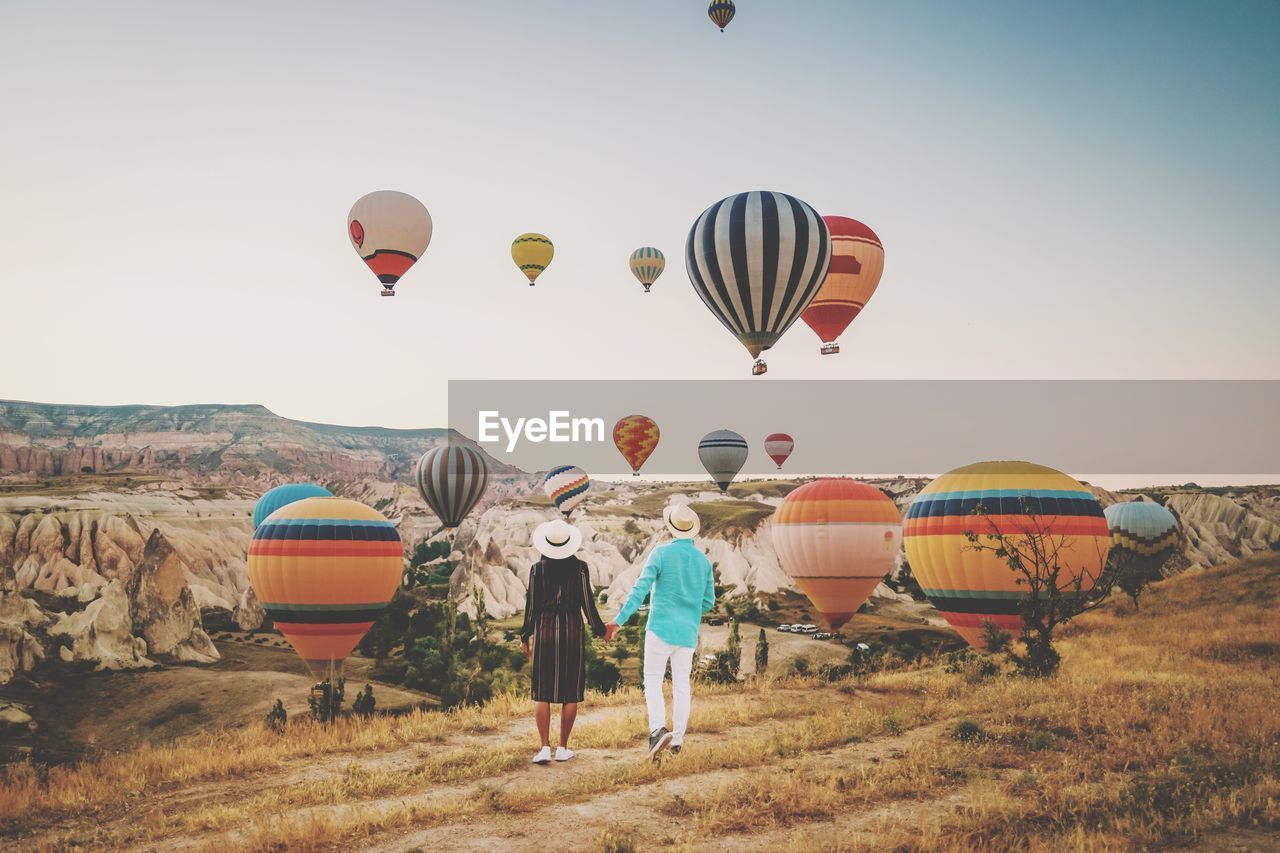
(324, 570)
(532, 254)
(1018, 500)
(647, 263)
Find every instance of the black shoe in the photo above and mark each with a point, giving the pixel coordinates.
(658, 741)
(675, 750)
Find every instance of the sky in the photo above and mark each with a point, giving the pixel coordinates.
(1083, 190)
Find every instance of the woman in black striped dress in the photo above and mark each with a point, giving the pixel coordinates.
(559, 596)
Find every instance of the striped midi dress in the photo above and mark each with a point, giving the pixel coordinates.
(559, 596)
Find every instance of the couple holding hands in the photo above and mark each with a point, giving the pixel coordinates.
(682, 587)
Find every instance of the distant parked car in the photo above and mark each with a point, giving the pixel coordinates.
(822, 635)
(714, 620)
(786, 629)
(838, 635)
(807, 629)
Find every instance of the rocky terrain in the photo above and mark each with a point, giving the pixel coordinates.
(123, 530)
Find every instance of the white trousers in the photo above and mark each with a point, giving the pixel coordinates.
(657, 653)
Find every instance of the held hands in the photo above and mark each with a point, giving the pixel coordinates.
(610, 630)
(524, 647)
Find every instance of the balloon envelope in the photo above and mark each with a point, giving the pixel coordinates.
(1142, 528)
(390, 230)
(837, 539)
(970, 587)
(284, 495)
(567, 487)
(452, 479)
(778, 447)
(532, 254)
(636, 436)
(721, 13)
(647, 263)
(857, 262)
(723, 453)
(757, 259)
(324, 570)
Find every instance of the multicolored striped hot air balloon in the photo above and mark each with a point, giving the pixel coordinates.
(284, 495)
(324, 570)
(837, 539)
(390, 230)
(970, 587)
(452, 479)
(567, 487)
(636, 436)
(723, 453)
(756, 260)
(778, 447)
(857, 262)
(647, 263)
(1142, 529)
(532, 254)
(721, 13)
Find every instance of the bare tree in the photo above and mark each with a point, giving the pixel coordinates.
(1058, 584)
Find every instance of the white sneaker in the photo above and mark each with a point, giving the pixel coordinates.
(543, 756)
(563, 753)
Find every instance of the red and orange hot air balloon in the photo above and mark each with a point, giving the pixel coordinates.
(324, 570)
(778, 447)
(837, 539)
(857, 261)
(390, 231)
(635, 437)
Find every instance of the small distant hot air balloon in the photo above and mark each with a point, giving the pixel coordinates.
(452, 479)
(284, 495)
(721, 13)
(756, 260)
(390, 230)
(324, 570)
(567, 487)
(635, 437)
(970, 587)
(1142, 529)
(647, 263)
(837, 539)
(532, 254)
(778, 446)
(723, 453)
(857, 262)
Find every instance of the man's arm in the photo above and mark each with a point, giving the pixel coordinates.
(709, 593)
(643, 584)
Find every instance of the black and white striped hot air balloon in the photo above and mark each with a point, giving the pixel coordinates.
(723, 453)
(451, 479)
(757, 259)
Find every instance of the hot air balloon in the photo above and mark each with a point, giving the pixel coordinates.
(324, 570)
(647, 263)
(970, 587)
(391, 231)
(635, 437)
(723, 453)
(778, 446)
(721, 13)
(1143, 530)
(284, 495)
(451, 479)
(533, 254)
(837, 539)
(567, 487)
(757, 259)
(857, 261)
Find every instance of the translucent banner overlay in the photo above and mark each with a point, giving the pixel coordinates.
(885, 427)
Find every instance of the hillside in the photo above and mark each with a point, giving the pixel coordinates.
(1159, 732)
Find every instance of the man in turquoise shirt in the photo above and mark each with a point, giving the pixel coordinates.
(683, 587)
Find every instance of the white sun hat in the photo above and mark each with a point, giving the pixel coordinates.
(682, 522)
(557, 539)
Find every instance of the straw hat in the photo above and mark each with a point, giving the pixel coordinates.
(682, 522)
(557, 539)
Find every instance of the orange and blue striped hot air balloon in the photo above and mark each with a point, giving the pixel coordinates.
(837, 539)
(567, 486)
(1016, 499)
(324, 570)
(390, 231)
(857, 262)
(721, 12)
(636, 436)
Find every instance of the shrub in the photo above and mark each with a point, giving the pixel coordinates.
(967, 731)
